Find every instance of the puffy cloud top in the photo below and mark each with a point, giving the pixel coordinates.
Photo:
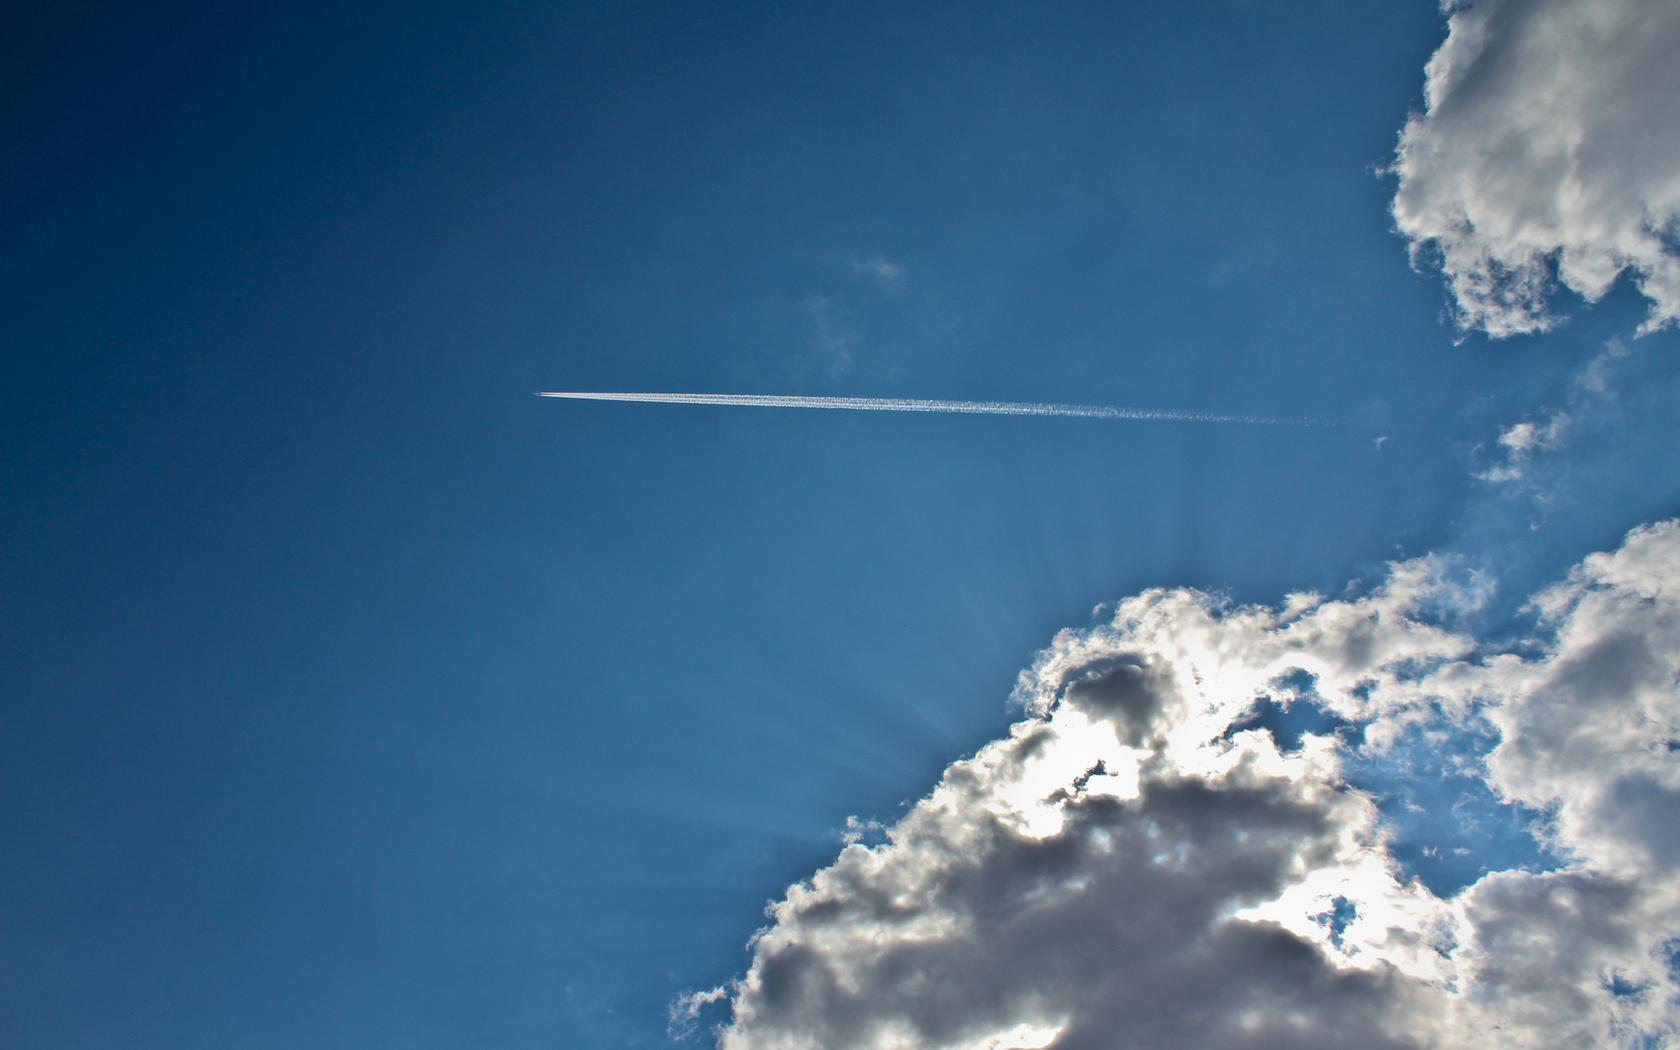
(1550, 145)
(1142, 862)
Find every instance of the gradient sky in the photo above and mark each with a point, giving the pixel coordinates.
(352, 696)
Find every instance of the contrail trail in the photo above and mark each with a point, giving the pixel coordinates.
(906, 404)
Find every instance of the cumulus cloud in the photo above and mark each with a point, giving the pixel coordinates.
(1148, 860)
(1549, 152)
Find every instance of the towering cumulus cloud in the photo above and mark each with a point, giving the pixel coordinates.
(1550, 149)
(1153, 858)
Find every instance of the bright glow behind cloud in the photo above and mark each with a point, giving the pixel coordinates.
(1550, 145)
(1132, 867)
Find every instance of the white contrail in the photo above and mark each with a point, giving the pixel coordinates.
(906, 404)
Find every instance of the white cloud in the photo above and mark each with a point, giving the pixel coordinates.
(1550, 148)
(1591, 404)
(1520, 441)
(1132, 867)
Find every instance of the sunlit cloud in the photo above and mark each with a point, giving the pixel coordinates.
(1549, 152)
(1164, 853)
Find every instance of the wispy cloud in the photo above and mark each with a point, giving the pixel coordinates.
(1591, 397)
(878, 268)
(1520, 441)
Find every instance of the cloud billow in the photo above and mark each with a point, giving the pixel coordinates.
(1549, 152)
(1141, 864)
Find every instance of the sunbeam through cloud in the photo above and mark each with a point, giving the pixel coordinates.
(354, 695)
(1145, 861)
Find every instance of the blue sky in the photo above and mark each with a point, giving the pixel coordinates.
(353, 696)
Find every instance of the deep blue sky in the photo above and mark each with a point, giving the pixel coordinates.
(351, 696)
